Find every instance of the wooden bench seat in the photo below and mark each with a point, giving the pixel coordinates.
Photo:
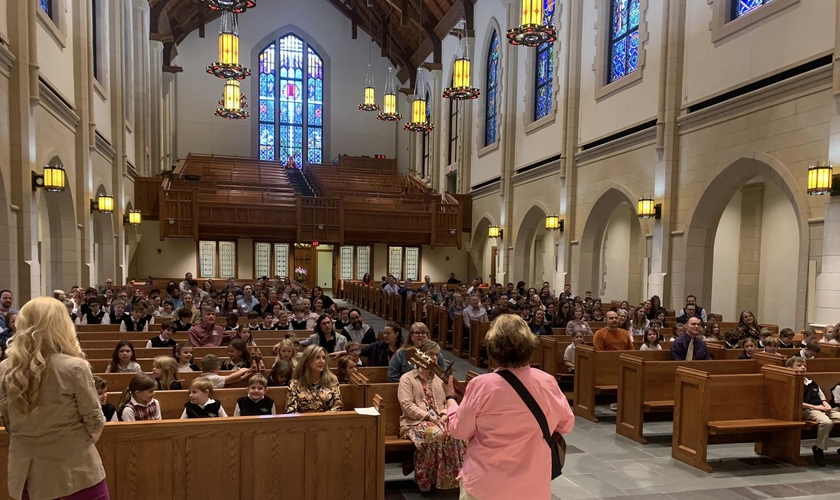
(754, 424)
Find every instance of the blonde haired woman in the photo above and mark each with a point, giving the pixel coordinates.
(438, 456)
(313, 387)
(50, 409)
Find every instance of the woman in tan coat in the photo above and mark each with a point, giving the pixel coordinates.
(50, 409)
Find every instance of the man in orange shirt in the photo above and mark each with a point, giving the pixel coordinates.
(612, 338)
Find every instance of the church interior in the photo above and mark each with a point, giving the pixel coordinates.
(605, 153)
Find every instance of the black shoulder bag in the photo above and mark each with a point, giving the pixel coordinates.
(555, 441)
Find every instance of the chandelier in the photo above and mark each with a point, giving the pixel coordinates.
(228, 66)
(532, 31)
(369, 103)
(389, 101)
(233, 102)
(236, 6)
(461, 77)
(419, 114)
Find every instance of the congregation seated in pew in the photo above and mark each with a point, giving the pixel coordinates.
(313, 387)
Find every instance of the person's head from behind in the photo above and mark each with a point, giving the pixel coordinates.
(764, 334)
(786, 335)
(101, 387)
(257, 385)
(771, 345)
(184, 315)
(312, 368)
(797, 363)
(141, 388)
(510, 342)
(812, 349)
(201, 390)
(281, 372)
(346, 368)
(232, 319)
(210, 363)
(732, 337)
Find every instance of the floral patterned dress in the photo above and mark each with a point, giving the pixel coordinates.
(315, 398)
(439, 456)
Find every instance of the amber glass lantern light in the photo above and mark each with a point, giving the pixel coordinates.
(419, 110)
(52, 180)
(228, 66)
(461, 88)
(233, 102)
(647, 209)
(236, 6)
(532, 31)
(389, 100)
(103, 204)
(820, 178)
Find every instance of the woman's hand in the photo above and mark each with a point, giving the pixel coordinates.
(449, 387)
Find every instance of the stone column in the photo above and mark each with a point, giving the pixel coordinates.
(412, 137)
(435, 137)
(465, 124)
(749, 251)
(156, 99)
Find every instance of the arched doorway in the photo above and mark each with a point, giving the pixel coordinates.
(705, 221)
(612, 248)
(482, 258)
(532, 253)
(103, 243)
(57, 242)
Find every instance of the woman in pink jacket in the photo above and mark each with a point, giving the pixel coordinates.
(507, 456)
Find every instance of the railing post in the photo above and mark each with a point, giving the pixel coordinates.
(299, 218)
(434, 224)
(195, 213)
(162, 218)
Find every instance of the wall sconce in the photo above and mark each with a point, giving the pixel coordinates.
(554, 223)
(53, 179)
(133, 217)
(104, 204)
(494, 232)
(647, 209)
(822, 180)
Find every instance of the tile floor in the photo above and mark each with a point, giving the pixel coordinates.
(602, 465)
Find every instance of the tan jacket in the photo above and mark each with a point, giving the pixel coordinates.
(413, 401)
(52, 451)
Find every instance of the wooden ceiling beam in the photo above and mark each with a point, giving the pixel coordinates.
(155, 14)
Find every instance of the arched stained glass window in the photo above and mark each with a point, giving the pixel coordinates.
(543, 83)
(624, 38)
(291, 121)
(741, 7)
(427, 147)
(453, 128)
(492, 95)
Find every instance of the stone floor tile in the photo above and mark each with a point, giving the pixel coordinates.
(769, 491)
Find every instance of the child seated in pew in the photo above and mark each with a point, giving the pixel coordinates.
(815, 407)
(201, 403)
(138, 400)
(829, 335)
(346, 368)
(763, 335)
(808, 336)
(123, 360)
(232, 324)
(245, 334)
(750, 347)
(165, 372)
(712, 330)
(268, 322)
(569, 354)
(786, 338)
(167, 330)
(150, 311)
(656, 326)
(239, 356)
(679, 329)
(286, 350)
(651, 342)
(298, 322)
(119, 314)
(183, 324)
(102, 391)
(168, 311)
(210, 367)
(732, 337)
(810, 351)
(183, 354)
(281, 374)
(354, 352)
(771, 345)
(254, 320)
(256, 403)
(283, 322)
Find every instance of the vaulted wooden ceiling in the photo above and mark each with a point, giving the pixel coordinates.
(407, 31)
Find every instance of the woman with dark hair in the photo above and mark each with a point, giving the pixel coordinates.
(655, 305)
(748, 326)
(538, 324)
(564, 314)
(366, 279)
(264, 306)
(318, 293)
(380, 352)
(325, 337)
(229, 305)
(520, 289)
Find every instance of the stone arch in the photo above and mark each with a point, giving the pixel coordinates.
(698, 251)
(591, 242)
(478, 265)
(523, 265)
(57, 240)
(103, 242)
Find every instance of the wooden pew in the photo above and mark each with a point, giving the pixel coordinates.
(478, 332)
(171, 458)
(139, 338)
(596, 372)
(443, 327)
(647, 387)
(549, 355)
(458, 337)
(745, 408)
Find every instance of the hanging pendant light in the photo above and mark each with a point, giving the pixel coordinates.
(389, 100)
(419, 113)
(236, 6)
(533, 30)
(233, 102)
(461, 88)
(228, 66)
(369, 103)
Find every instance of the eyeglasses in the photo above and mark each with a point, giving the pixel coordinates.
(418, 333)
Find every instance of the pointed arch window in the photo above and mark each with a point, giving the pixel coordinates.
(492, 95)
(453, 128)
(427, 153)
(47, 6)
(742, 7)
(291, 114)
(544, 89)
(624, 37)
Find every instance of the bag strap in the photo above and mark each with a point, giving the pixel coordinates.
(529, 401)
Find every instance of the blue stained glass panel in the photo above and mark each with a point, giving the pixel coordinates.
(490, 136)
(491, 96)
(46, 6)
(619, 17)
(617, 58)
(624, 38)
(746, 6)
(632, 52)
(266, 110)
(548, 12)
(266, 86)
(315, 145)
(635, 13)
(316, 114)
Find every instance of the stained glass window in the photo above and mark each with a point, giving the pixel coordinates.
(94, 40)
(412, 263)
(346, 262)
(227, 259)
(492, 86)
(362, 261)
(281, 259)
(262, 259)
(291, 102)
(453, 129)
(543, 83)
(427, 147)
(46, 6)
(207, 259)
(395, 261)
(741, 7)
(624, 38)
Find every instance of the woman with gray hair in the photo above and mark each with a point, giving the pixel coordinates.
(507, 455)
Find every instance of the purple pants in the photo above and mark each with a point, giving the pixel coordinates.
(95, 492)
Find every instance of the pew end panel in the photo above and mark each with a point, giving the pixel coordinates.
(691, 412)
(631, 398)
